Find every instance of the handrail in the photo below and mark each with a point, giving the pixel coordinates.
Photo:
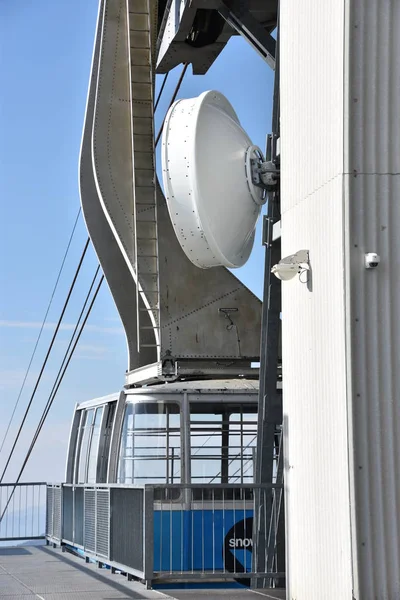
(23, 511)
(23, 483)
(224, 486)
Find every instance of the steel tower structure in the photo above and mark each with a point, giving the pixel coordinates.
(180, 321)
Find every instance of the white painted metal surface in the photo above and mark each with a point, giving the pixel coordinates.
(319, 562)
(213, 204)
(340, 100)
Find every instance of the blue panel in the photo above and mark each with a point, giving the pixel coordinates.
(203, 540)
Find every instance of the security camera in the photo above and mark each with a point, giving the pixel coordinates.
(285, 272)
(292, 265)
(372, 260)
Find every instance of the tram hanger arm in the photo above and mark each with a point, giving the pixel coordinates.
(241, 19)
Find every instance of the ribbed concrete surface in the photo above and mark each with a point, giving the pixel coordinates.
(42, 573)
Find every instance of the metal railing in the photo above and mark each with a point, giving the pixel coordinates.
(167, 533)
(24, 506)
(205, 532)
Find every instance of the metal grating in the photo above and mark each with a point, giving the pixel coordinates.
(57, 510)
(127, 516)
(49, 511)
(103, 523)
(68, 514)
(78, 516)
(90, 520)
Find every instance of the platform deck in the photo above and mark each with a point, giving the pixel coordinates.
(43, 573)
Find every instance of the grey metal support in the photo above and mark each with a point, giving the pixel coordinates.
(73, 440)
(112, 473)
(148, 535)
(237, 14)
(280, 540)
(269, 396)
(186, 452)
(225, 448)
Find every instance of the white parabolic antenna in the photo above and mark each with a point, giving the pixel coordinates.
(207, 172)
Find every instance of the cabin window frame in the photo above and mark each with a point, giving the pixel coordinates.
(92, 459)
(169, 433)
(222, 428)
(104, 448)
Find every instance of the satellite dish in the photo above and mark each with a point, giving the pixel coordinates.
(207, 164)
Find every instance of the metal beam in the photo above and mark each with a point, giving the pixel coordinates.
(236, 13)
(270, 342)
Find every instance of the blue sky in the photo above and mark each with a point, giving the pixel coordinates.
(45, 56)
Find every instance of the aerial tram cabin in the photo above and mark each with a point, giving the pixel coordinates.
(194, 444)
(189, 432)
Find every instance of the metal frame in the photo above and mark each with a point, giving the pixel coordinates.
(143, 432)
(195, 391)
(89, 447)
(72, 443)
(240, 18)
(107, 197)
(174, 369)
(51, 536)
(270, 344)
(228, 496)
(23, 511)
(112, 471)
(79, 434)
(104, 447)
(184, 401)
(79, 449)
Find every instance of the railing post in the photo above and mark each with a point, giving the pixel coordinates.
(52, 512)
(62, 513)
(73, 513)
(148, 534)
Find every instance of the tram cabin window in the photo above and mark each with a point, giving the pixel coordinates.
(105, 442)
(150, 450)
(223, 442)
(83, 444)
(93, 444)
(93, 447)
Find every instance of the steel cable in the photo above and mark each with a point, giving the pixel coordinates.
(174, 95)
(46, 358)
(40, 332)
(60, 377)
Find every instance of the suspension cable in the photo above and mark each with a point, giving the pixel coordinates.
(174, 95)
(69, 346)
(40, 332)
(50, 401)
(46, 358)
(161, 91)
